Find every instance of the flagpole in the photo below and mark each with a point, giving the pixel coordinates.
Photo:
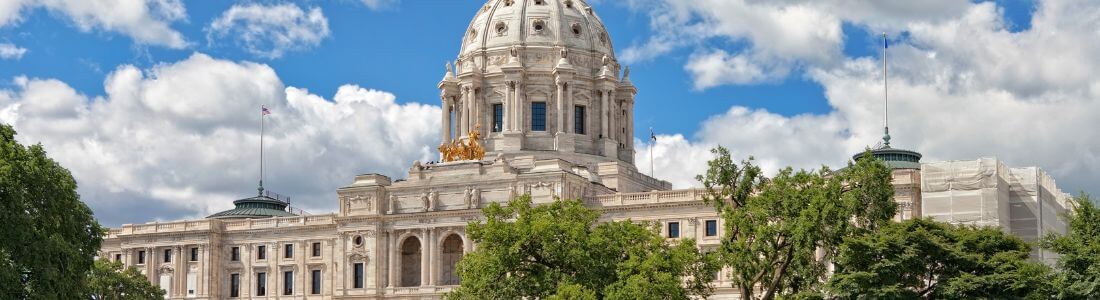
(261, 189)
(885, 91)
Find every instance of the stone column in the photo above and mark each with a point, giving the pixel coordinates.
(393, 257)
(447, 119)
(433, 252)
(629, 118)
(472, 117)
(464, 123)
(614, 116)
(425, 257)
(518, 102)
(569, 108)
(561, 107)
(605, 114)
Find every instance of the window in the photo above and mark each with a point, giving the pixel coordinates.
(288, 282)
(141, 257)
(167, 255)
(234, 285)
(538, 25)
(540, 2)
(578, 119)
(194, 254)
(261, 284)
(712, 228)
(498, 117)
(358, 278)
(576, 29)
(118, 257)
(358, 240)
(315, 280)
(501, 29)
(538, 116)
(316, 249)
(289, 253)
(235, 254)
(261, 252)
(673, 229)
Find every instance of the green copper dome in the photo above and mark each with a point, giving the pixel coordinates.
(255, 208)
(895, 158)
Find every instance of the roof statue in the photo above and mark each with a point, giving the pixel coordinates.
(464, 149)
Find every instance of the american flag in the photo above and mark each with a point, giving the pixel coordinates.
(264, 111)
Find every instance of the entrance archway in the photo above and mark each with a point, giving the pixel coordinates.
(410, 262)
(451, 254)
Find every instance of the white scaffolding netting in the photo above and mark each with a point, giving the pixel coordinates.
(1025, 202)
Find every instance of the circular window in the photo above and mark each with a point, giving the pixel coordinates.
(576, 29)
(358, 240)
(501, 28)
(539, 25)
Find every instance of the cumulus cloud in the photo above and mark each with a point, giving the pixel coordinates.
(183, 137)
(145, 21)
(11, 51)
(962, 86)
(271, 30)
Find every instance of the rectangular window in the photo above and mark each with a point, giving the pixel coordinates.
(288, 282)
(578, 119)
(194, 254)
(538, 116)
(261, 284)
(167, 255)
(316, 249)
(261, 252)
(673, 229)
(235, 254)
(315, 281)
(234, 285)
(289, 253)
(118, 257)
(712, 228)
(358, 278)
(141, 257)
(498, 117)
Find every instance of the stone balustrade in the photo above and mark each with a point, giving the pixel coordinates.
(684, 195)
(228, 225)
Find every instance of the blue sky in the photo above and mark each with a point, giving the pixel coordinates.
(411, 40)
(152, 105)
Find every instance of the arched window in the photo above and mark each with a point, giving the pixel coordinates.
(410, 262)
(452, 253)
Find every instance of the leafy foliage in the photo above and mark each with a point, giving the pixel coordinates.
(924, 259)
(48, 238)
(781, 232)
(108, 280)
(559, 250)
(1079, 263)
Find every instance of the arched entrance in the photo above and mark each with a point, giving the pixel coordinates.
(410, 262)
(451, 253)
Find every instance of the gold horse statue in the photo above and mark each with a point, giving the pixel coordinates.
(458, 149)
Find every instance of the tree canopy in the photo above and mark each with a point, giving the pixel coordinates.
(781, 232)
(559, 250)
(108, 280)
(49, 237)
(1079, 249)
(925, 259)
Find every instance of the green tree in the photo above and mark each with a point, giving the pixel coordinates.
(1079, 263)
(108, 280)
(559, 250)
(781, 232)
(48, 238)
(924, 259)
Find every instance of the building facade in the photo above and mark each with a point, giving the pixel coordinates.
(536, 88)
(536, 103)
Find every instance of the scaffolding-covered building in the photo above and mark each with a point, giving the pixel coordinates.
(1025, 202)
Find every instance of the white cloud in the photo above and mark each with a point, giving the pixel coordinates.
(11, 51)
(379, 4)
(962, 86)
(145, 21)
(181, 140)
(271, 30)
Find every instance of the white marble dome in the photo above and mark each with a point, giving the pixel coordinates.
(537, 23)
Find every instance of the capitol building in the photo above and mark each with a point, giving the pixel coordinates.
(537, 104)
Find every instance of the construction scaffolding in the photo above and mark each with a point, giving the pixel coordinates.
(1025, 202)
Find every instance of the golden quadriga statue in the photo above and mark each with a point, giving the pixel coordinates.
(458, 150)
